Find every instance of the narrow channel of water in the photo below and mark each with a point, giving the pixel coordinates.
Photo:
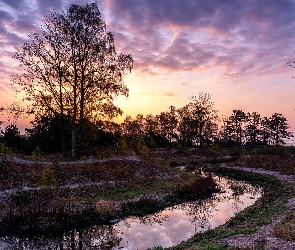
(166, 228)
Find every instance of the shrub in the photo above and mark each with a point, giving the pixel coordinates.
(197, 189)
(141, 149)
(145, 205)
(46, 178)
(36, 154)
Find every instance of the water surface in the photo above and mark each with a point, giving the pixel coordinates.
(166, 228)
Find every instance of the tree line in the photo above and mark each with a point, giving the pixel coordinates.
(196, 124)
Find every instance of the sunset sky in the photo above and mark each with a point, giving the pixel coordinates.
(236, 50)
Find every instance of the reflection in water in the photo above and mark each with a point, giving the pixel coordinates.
(165, 228)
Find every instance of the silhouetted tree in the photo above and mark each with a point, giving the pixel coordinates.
(265, 131)
(14, 112)
(11, 137)
(152, 129)
(185, 126)
(109, 133)
(278, 128)
(45, 133)
(210, 132)
(235, 125)
(253, 128)
(167, 124)
(196, 116)
(72, 68)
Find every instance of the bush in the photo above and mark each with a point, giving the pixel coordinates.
(46, 178)
(197, 189)
(4, 150)
(141, 149)
(145, 205)
(36, 154)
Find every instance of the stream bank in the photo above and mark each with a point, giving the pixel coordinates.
(252, 228)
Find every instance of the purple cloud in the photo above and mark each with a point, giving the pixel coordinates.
(240, 37)
(242, 29)
(5, 16)
(15, 4)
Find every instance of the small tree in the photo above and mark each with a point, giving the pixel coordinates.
(278, 128)
(252, 128)
(235, 125)
(185, 126)
(167, 124)
(11, 136)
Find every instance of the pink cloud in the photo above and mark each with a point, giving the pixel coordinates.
(169, 94)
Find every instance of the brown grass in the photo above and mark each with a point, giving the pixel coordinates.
(17, 175)
(282, 164)
(286, 228)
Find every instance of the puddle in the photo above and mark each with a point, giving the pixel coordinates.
(166, 228)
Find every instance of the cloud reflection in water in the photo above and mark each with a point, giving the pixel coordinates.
(183, 221)
(166, 228)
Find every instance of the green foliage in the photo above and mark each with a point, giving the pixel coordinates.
(37, 154)
(46, 178)
(141, 149)
(123, 144)
(83, 158)
(156, 248)
(4, 150)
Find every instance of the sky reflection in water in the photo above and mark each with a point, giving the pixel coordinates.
(187, 219)
(166, 228)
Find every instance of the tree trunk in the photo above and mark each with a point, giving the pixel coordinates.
(63, 139)
(73, 139)
(74, 117)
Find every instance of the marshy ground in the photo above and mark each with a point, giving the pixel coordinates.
(50, 193)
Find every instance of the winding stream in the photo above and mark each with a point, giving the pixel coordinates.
(165, 228)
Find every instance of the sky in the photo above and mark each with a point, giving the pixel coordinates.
(236, 50)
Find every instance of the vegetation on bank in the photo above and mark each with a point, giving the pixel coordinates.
(57, 197)
(138, 186)
(269, 206)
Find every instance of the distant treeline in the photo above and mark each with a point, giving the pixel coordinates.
(193, 125)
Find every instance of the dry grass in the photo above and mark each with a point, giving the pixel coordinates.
(286, 228)
(281, 163)
(17, 175)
